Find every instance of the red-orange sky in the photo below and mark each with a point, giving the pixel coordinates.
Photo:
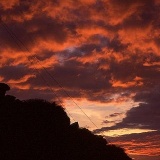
(104, 53)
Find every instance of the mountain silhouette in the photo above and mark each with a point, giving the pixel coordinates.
(39, 130)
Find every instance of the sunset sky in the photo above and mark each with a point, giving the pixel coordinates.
(98, 57)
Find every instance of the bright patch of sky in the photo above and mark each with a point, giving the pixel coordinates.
(124, 131)
(97, 112)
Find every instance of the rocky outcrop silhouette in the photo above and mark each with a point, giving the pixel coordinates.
(3, 88)
(39, 130)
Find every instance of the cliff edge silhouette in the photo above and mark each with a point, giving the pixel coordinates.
(39, 130)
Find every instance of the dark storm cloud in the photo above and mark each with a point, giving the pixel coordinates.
(21, 94)
(136, 66)
(48, 29)
(39, 28)
(114, 115)
(106, 56)
(34, 22)
(144, 116)
(13, 72)
(78, 76)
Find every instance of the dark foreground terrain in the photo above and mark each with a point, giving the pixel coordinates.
(40, 130)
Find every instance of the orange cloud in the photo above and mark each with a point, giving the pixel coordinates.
(121, 10)
(7, 4)
(148, 64)
(141, 148)
(106, 54)
(35, 63)
(92, 58)
(21, 86)
(21, 80)
(11, 58)
(1, 78)
(137, 81)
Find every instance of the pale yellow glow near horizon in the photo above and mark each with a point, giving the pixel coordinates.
(98, 112)
(124, 131)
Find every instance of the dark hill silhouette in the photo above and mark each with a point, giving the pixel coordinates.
(39, 130)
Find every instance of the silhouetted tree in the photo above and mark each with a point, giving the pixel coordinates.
(39, 130)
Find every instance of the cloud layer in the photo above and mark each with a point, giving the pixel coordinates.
(105, 51)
